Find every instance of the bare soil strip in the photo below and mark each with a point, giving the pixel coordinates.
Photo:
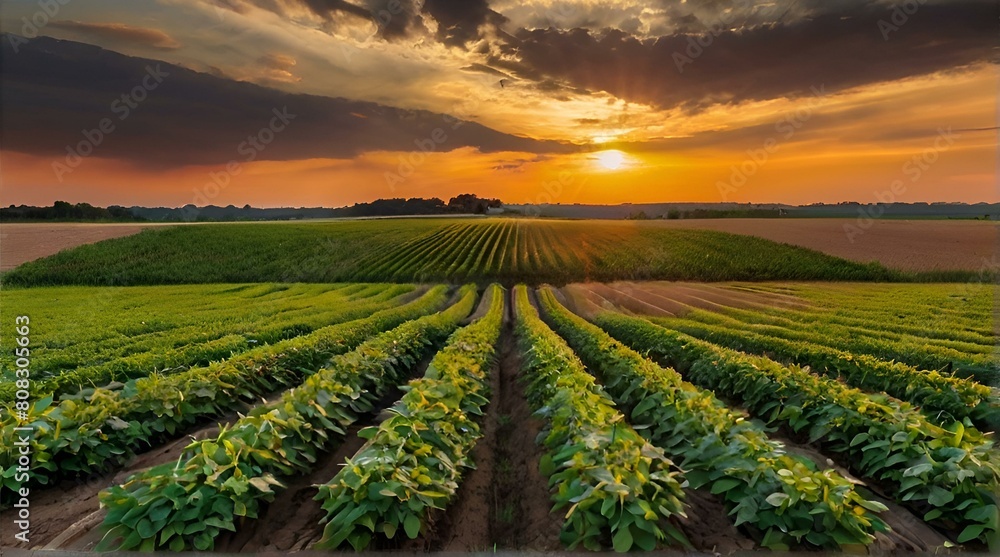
(908, 245)
(23, 242)
(504, 502)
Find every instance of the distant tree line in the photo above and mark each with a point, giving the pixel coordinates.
(465, 203)
(63, 211)
(673, 214)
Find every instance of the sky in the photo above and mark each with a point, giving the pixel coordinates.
(332, 102)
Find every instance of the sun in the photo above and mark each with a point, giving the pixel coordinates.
(610, 160)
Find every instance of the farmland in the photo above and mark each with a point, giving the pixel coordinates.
(620, 415)
(435, 250)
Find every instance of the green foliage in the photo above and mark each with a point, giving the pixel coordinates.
(620, 490)
(428, 250)
(90, 435)
(784, 500)
(942, 397)
(107, 335)
(949, 475)
(413, 461)
(968, 358)
(237, 471)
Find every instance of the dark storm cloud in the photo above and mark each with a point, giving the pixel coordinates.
(461, 21)
(836, 49)
(55, 90)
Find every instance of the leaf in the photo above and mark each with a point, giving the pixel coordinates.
(411, 525)
(723, 485)
(777, 499)
(940, 496)
(971, 532)
(622, 540)
(261, 484)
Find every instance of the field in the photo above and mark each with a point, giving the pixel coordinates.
(20, 243)
(436, 250)
(399, 416)
(913, 246)
(940, 246)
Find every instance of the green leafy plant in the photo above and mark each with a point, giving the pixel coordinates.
(784, 501)
(237, 471)
(619, 491)
(949, 475)
(413, 461)
(91, 435)
(942, 397)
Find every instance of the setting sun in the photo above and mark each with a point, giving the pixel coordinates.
(610, 160)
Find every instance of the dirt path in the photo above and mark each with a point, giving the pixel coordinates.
(504, 503)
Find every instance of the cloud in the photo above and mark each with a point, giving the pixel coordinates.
(143, 36)
(197, 118)
(837, 49)
(462, 21)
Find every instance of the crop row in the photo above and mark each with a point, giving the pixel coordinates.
(185, 504)
(868, 314)
(911, 351)
(783, 500)
(949, 475)
(939, 308)
(219, 343)
(114, 325)
(620, 491)
(823, 322)
(942, 397)
(413, 461)
(90, 435)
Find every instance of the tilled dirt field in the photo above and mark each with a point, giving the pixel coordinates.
(23, 242)
(908, 245)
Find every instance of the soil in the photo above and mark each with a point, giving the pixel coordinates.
(503, 504)
(23, 242)
(908, 245)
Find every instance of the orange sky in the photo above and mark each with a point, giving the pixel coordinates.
(852, 143)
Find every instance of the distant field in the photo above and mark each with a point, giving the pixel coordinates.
(431, 250)
(23, 242)
(907, 245)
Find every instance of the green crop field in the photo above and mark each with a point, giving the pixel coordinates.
(376, 416)
(436, 250)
